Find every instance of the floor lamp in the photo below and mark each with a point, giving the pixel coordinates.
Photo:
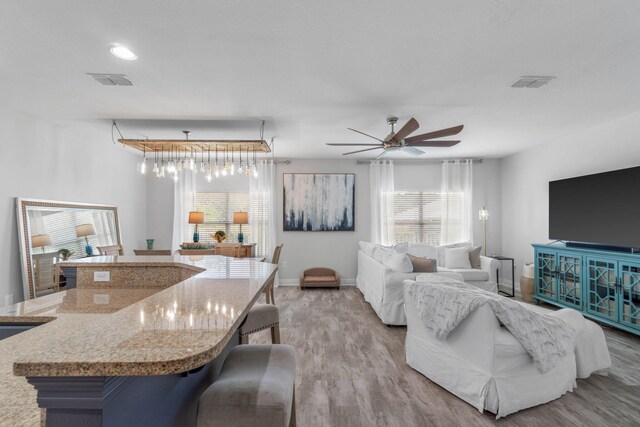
(483, 214)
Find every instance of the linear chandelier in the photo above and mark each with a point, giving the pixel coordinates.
(214, 157)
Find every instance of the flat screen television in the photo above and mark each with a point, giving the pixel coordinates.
(601, 209)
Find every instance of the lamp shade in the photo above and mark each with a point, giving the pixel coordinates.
(196, 217)
(40, 240)
(483, 214)
(240, 218)
(84, 230)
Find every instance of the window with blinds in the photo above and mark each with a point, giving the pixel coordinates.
(418, 215)
(218, 211)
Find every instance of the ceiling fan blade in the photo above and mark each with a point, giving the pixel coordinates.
(381, 155)
(360, 151)
(362, 133)
(441, 143)
(406, 130)
(342, 145)
(436, 134)
(413, 151)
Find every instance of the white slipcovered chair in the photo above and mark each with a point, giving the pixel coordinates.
(482, 363)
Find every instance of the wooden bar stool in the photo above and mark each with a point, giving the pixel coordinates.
(261, 317)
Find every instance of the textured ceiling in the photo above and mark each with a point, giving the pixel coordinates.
(313, 68)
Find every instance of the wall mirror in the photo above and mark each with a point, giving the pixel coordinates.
(52, 231)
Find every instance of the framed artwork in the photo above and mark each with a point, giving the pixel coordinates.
(319, 201)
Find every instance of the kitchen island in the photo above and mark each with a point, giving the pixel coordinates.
(126, 355)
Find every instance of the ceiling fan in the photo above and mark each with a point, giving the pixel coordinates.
(401, 141)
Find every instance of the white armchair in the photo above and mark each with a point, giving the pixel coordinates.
(491, 266)
(483, 364)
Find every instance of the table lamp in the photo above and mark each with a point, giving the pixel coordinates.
(40, 241)
(483, 215)
(84, 230)
(196, 218)
(240, 218)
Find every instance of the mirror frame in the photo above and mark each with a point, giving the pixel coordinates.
(23, 233)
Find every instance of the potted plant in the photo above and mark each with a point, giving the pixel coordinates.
(219, 236)
(65, 254)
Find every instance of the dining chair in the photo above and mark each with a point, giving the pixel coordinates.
(269, 292)
(111, 250)
(44, 273)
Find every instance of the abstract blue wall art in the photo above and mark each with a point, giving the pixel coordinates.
(319, 201)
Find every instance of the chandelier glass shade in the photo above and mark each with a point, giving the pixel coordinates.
(212, 162)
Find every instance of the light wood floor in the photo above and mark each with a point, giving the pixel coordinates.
(351, 372)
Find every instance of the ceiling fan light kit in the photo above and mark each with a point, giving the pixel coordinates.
(401, 141)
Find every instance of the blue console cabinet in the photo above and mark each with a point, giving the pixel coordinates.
(603, 285)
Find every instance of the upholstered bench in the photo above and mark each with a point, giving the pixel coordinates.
(320, 278)
(256, 387)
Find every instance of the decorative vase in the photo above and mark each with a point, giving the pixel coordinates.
(150, 244)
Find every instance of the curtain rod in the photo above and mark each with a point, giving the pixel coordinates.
(417, 162)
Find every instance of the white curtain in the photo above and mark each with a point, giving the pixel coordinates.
(262, 203)
(382, 197)
(457, 197)
(184, 200)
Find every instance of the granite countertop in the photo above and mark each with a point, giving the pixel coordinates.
(126, 332)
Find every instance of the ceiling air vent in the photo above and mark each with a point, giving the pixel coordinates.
(111, 79)
(532, 82)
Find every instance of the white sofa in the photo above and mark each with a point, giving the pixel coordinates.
(382, 287)
(482, 363)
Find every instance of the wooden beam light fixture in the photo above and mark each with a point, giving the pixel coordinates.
(170, 156)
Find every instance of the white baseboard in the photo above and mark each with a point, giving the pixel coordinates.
(296, 282)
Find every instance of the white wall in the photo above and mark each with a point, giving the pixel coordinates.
(337, 250)
(71, 162)
(526, 176)
(159, 211)
(334, 249)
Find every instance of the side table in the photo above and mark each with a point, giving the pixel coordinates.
(513, 274)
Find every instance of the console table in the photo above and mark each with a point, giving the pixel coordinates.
(246, 250)
(603, 285)
(513, 274)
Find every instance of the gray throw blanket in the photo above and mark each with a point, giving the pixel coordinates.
(443, 303)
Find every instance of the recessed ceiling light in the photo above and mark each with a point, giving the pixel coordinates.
(122, 52)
